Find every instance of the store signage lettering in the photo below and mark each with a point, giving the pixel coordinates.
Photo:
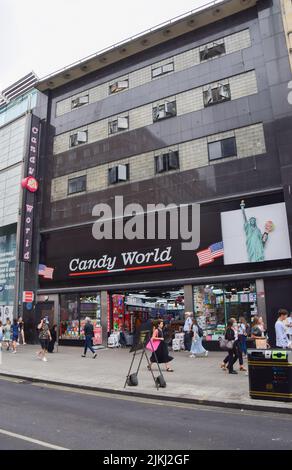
(30, 186)
(131, 260)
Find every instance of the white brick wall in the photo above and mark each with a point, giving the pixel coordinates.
(185, 60)
(243, 85)
(193, 154)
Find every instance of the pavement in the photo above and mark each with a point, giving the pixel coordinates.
(194, 380)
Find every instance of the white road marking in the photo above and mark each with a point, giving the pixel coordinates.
(30, 439)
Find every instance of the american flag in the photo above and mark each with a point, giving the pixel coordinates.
(210, 254)
(46, 272)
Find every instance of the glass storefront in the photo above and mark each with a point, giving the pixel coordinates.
(74, 308)
(215, 304)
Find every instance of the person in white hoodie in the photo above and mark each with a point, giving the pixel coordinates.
(281, 331)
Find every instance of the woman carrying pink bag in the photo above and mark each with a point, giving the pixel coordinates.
(159, 348)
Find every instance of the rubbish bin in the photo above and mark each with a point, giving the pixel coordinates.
(270, 374)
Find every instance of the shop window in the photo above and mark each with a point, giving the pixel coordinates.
(118, 125)
(78, 102)
(162, 70)
(77, 185)
(167, 161)
(214, 305)
(118, 86)
(222, 149)
(69, 321)
(78, 138)
(212, 51)
(118, 174)
(164, 111)
(216, 95)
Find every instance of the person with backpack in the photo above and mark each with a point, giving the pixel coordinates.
(197, 348)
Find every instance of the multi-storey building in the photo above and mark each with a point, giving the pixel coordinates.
(195, 111)
(16, 104)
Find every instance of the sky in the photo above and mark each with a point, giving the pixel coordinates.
(45, 36)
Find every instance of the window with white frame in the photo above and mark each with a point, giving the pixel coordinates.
(217, 95)
(162, 69)
(118, 173)
(167, 161)
(78, 138)
(80, 101)
(77, 185)
(118, 86)
(222, 149)
(215, 50)
(118, 125)
(164, 111)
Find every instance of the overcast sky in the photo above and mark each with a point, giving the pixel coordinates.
(44, 36)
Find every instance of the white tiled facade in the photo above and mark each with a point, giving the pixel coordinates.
(233, 43)
(189, 101)
(193, 154)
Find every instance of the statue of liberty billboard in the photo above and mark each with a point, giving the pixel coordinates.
(255, 239)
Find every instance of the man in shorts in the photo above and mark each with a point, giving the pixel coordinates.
(44, 337)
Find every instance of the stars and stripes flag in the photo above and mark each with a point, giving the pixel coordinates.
(45, 271)
(208, 255)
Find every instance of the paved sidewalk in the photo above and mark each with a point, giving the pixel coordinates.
(195, 379)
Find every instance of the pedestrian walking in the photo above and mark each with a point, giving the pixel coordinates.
(21, 337)
(53, 332)
(197, 348)
(161, 354)
(44, 337)
(237, 349)
(188, 325)
(242, 335)
(7, 334)
(89, 334)
(280, 329)
(232, 352)
(14, 334)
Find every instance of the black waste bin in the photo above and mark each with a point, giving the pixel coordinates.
(270, 374)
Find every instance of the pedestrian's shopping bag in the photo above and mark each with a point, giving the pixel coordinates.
(261, 343)
(152, 345)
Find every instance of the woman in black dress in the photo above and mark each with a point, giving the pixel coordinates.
(161, 352)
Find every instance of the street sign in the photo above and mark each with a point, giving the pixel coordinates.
(28, 296)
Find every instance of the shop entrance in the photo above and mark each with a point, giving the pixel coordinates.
(129, 310)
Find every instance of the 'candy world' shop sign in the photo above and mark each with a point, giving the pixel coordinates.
(29, 188)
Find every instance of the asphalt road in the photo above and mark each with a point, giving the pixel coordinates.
(56, 416)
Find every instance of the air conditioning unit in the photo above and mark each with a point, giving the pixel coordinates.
(81, 137)
(123, 123)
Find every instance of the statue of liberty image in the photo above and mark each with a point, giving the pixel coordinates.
(255, 240)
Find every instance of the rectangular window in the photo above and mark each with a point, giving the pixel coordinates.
(212, 51)
(78, 102)
(119, 86)
(222, 149)
(216, 95)
(162, 70)
(164, 111)
(118, 174)
(118, 125)
(78, 138)
(77, 185)
(167, 161)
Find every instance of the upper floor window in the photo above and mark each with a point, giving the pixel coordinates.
(77, 185)
(80, 101)
(165, 110)
(78, 138)
(167, 161)
(163, 69)
(217, 95)
(212, 51)
(120, 85)
(118, 174)
(222, 149)
(118, 125)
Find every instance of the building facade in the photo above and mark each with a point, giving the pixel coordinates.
(16, 104)
(193, 112)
